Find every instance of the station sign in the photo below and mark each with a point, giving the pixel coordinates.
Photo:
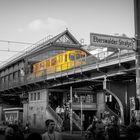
(110, 41)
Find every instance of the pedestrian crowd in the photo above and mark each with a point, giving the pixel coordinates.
(99, 129)
(63, 111)
(109, 129)
(13, 132)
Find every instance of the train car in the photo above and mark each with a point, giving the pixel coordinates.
(60, 62)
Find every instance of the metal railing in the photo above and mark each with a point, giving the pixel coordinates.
(36, 46)
(77, 120)
(92, 61)
(59, 121)
(111, 111)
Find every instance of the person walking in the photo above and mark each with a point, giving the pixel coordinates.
(90, 132)
(133, 131)
(100, 131)
(58, 110)
(113, 131)
(50, 133)
(27, 128)
(18, 135)
(9, 133)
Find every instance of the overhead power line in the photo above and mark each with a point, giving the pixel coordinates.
(11, 51)
(2, 61)
(14, 42)
(8, 41)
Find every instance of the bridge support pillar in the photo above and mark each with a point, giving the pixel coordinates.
(100, 104)
(122, 92)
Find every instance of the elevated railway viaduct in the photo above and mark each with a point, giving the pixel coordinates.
(107, 75)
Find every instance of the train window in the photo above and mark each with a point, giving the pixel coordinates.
(37, 67)
(71, 56)
(82, 55)
(41, 66)
(47, 63)
(77, 56)
(65, 57)
(53, 61)
(61, 58)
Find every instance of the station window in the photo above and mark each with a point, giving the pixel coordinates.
(3, 80)
(11, 77)
(34, 96)
(94, 99)
(38, 96)
(14, 75)
(89, 98)
(85, 98)
(31, 98)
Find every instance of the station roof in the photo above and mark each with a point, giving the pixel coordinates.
(65, 38)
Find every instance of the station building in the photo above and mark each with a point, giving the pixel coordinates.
(41, 93)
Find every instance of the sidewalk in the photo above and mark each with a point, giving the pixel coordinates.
(73, 133)
(63, 132)
(76, 135)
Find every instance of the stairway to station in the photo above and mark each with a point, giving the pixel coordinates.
(112, 105)
(55, 117)
(64, 124)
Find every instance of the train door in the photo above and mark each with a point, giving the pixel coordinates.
(71, 59)
(65, 64)
(59, 62)
(41, 69)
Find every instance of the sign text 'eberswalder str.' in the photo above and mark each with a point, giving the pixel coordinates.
(102, 40)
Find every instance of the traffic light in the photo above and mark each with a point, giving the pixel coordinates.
(137, 104)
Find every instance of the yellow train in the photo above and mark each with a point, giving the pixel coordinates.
(60, 62)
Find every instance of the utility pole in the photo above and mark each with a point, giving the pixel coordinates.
(71, 111)
(137, 38)
(137, 43)
(81, 100)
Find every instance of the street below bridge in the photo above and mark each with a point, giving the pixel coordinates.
(65, 136)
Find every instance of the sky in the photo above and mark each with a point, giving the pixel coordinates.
(32, 20)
